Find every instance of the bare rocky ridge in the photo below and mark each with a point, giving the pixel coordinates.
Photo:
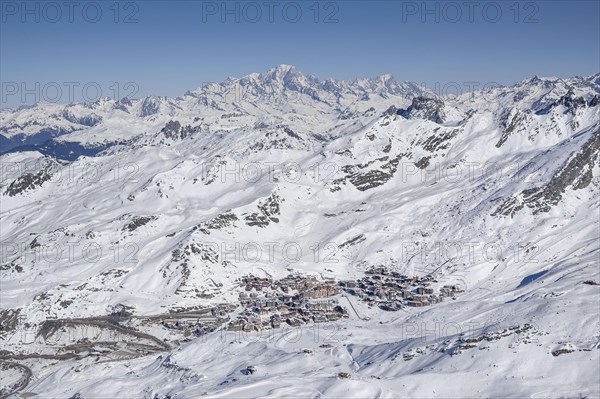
(425, 108)
(576, 173)
(269, 209)
(30, 181)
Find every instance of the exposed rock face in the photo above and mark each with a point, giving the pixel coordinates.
(571, 103)
(150, 106)
(219, 222)
(425, 108)
(32, 180)
(189, 257)
(86, 120)
(123, 104)
(439, 141)
(575, 173)
(391, 111)
(366, 180)
(9, 318)
(268, 208)
(184, 253)
(423, 162)
(282, 137)
(511, 123)
(353, 241)
(173, 132)
(138, 222)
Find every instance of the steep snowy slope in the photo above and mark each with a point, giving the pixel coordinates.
(493, 193)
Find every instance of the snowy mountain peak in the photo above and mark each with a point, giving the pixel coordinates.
(282, 96)
(282, 70)
(427, 210)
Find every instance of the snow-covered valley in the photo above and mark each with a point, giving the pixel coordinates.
(279, 235)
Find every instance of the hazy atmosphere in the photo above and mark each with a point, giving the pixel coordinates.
(299, 199)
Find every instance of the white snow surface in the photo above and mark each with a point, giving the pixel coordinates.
(305, 148)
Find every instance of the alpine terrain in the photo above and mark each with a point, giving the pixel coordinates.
(279, 235)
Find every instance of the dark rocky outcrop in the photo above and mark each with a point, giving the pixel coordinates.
(575, 173)
(425, 108)
(32, 180)
(509, 124)
(268, 208)
(366, 180)
(138, 222)
(571, 103)
(225, 219)
(175, 131)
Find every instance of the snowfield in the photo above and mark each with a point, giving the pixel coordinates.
(106, 257)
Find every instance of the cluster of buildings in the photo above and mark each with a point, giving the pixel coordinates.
(296, 300)
(293, 283)
(293, 300)
(392, 291)
(199, 322)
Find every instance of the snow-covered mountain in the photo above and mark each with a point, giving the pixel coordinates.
(456, 237)
(282, 95)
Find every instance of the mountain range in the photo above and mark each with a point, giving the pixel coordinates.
(120, 215)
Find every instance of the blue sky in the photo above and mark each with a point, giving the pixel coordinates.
(172, 46)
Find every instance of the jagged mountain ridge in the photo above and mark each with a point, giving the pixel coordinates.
(396, 149)
(282, 95)
(517, 171)
(273, 94)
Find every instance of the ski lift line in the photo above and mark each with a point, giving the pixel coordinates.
(353, 308)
